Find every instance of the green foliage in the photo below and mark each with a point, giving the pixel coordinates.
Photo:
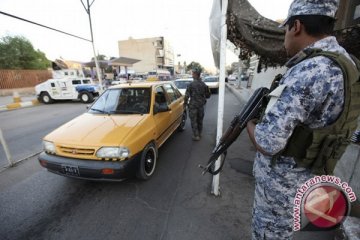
(229, 70)
(99, 57)
(18, 53)
(193, 65)
(109, 69)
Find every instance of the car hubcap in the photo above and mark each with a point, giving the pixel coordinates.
(85, 98)
(183, 121)
(149, 162)
(46, 99)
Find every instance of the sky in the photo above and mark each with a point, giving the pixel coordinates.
(185, 24)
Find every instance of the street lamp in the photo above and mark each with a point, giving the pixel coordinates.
(87, 9)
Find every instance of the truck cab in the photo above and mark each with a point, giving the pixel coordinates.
(67, 87)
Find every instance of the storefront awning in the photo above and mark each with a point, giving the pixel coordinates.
(123, 61)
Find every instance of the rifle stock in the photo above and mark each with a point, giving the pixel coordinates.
(251, 110)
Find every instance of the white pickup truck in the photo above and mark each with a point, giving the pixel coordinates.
(67, 88)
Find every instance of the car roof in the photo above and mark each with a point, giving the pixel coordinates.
(139, 84)
(184, 79)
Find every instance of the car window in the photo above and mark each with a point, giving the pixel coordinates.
(182, 84)
(76, 82)
(211, 79)
(86, 81)
(160, 98)
(171, 92)
(123, 101)
(177, 92)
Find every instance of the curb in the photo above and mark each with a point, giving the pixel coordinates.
(16, 105)
(241, 93)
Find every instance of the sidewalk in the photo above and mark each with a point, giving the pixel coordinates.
(242, 93)
(11, 102)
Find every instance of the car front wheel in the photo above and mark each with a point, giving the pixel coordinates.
(147, 162)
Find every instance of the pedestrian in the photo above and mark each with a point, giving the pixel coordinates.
(195, 98)
(310, 97)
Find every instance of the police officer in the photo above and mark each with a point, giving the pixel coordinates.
(195, 98)
(310, 94)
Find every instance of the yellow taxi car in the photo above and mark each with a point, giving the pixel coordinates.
(119, 136)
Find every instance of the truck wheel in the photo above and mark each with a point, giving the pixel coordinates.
(147, 162)
(86, 97)
(45, 98)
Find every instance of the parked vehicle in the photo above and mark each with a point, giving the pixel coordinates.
(67, 85)
(159, 75)
(182, 84)
(212, 82)
(120, 134)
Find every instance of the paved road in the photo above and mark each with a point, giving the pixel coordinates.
(175, 204)
(24, 128)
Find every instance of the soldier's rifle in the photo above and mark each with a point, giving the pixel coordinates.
(251, 110)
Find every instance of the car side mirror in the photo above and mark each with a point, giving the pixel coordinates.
(158, 108)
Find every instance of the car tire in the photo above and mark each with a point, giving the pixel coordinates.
(183, 122)
(86, 97)
(45, 98)
(148, 162)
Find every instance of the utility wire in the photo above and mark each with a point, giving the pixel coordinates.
(9, 15)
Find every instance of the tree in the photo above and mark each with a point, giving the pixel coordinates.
(18, 53)
(194, 65)
(229, 70)
(99, 57)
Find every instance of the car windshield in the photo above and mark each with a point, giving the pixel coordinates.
(211, 79)
(123, 101)
(182, 84)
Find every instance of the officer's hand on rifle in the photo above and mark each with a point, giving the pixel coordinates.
(250, 127)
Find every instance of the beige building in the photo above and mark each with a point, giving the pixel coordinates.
(153, 53)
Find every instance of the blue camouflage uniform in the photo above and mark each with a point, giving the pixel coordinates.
(313, 94)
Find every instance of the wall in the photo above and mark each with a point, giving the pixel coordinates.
(265, 77)
(141, 49)
(152, 53)
(21, 79)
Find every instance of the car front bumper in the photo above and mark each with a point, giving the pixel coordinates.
(90, 169)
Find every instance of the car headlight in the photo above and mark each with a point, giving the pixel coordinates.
(49, 147)
(113, 152)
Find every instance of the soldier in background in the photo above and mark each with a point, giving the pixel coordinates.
(195, 98)
(310, 94)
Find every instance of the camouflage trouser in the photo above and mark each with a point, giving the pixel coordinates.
(196, 115)
(275, 189)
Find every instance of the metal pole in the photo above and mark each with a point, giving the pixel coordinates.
(98, 73)
(215, 183)
(6, 149)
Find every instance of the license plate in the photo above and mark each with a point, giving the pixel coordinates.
(70, 170)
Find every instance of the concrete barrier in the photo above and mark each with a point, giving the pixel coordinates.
(16, 105)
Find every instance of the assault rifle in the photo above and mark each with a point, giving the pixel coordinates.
(251, 110)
